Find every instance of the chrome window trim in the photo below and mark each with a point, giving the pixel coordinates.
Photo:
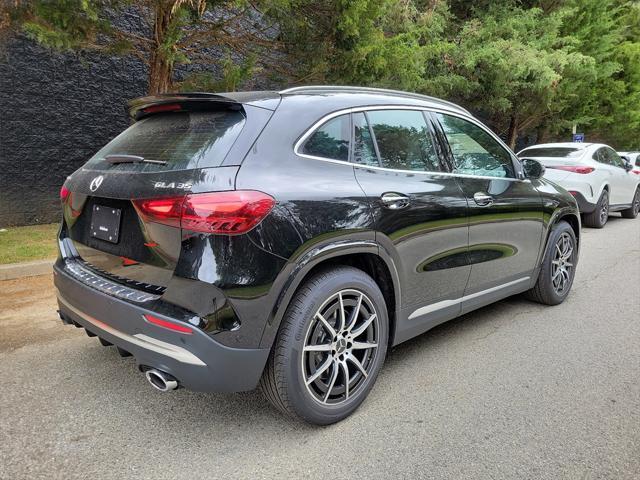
(329, 116)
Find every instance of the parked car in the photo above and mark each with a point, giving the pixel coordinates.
(594, 174)
(289, 239)
(634, 159)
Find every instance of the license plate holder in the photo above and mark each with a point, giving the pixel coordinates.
(105, 223)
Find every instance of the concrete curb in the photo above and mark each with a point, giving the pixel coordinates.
(12, 271)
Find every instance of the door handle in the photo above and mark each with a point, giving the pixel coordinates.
(395, 201)
(482, 199)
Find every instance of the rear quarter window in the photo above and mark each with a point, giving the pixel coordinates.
(183, 140)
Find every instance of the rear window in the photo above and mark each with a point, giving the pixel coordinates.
(559, 152)
(183, 140)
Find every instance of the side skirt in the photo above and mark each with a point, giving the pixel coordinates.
(417, 321)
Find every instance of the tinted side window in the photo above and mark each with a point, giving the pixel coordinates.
(614, 158)
(330, 140)
(475, 152)
(364, 153)
(602, 157)
(403, 140)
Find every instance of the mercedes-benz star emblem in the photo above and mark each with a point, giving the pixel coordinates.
(95, 183)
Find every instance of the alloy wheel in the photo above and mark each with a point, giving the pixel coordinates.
(340, 347)
(604, 208)
(636, 202)
(562, 264)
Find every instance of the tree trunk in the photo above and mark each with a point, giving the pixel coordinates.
(542, 134)
(160, 70)
(512, 135)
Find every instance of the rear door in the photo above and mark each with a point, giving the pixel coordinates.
(420, 212)
(505, 212)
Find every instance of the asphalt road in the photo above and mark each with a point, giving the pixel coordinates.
(515, 390)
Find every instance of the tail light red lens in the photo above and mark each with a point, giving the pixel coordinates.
(64, 193)
(167, 324)
(161, 210)
(637, 172)
(166, 107)
(225, 213)
(573, 168)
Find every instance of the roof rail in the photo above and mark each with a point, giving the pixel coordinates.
(345, 88)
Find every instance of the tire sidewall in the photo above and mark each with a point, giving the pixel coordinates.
(303, 403)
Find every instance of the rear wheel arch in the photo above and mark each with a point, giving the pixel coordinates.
(572, 218)
(369, 259)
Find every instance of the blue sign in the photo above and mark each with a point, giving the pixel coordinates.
(578, 137)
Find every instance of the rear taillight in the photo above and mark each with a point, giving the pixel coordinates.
(225, 213)
(165, 107)
(161, 210)
(64, 193)
(573, 168)
(637, 172)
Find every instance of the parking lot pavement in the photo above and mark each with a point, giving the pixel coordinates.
(514, 390)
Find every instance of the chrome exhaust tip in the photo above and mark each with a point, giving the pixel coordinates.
(160, 380)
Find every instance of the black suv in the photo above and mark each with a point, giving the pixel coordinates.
(289, 239)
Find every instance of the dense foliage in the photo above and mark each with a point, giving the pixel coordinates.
(526, 67)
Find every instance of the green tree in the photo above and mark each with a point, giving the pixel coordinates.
(507, 63)
(177, 32)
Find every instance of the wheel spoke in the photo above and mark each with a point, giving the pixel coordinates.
(358, 365)
(321, 369)
(318, 348)
(363, 345)
(354, 315)
(326, 324)
(342, 316)
(332, 382)
(358, 331)
(345, 371)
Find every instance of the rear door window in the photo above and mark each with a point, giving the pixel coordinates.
(330, 140)
(181, 140)
(364, 151)
(404, 140)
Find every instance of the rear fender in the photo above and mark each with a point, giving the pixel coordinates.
(306, 259)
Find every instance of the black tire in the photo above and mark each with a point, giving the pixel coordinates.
(545, 290)
(284, 381)
(598, 218)
(632, 212)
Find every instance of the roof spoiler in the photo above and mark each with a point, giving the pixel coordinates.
(172, 102)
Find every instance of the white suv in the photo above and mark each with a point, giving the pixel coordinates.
(594, 174)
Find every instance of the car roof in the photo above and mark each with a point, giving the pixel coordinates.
(575, 145)
(373, 96)
(344, 96)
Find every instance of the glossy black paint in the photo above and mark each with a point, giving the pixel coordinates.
(439, 250)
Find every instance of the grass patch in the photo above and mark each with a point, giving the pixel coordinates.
(34, 242)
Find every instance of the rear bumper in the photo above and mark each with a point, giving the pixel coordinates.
(584, 205)
(196, 360)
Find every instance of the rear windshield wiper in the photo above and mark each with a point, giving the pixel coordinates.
(115, 159)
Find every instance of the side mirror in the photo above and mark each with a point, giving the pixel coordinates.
(533, 169)
(628, 166)
(625, 158)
